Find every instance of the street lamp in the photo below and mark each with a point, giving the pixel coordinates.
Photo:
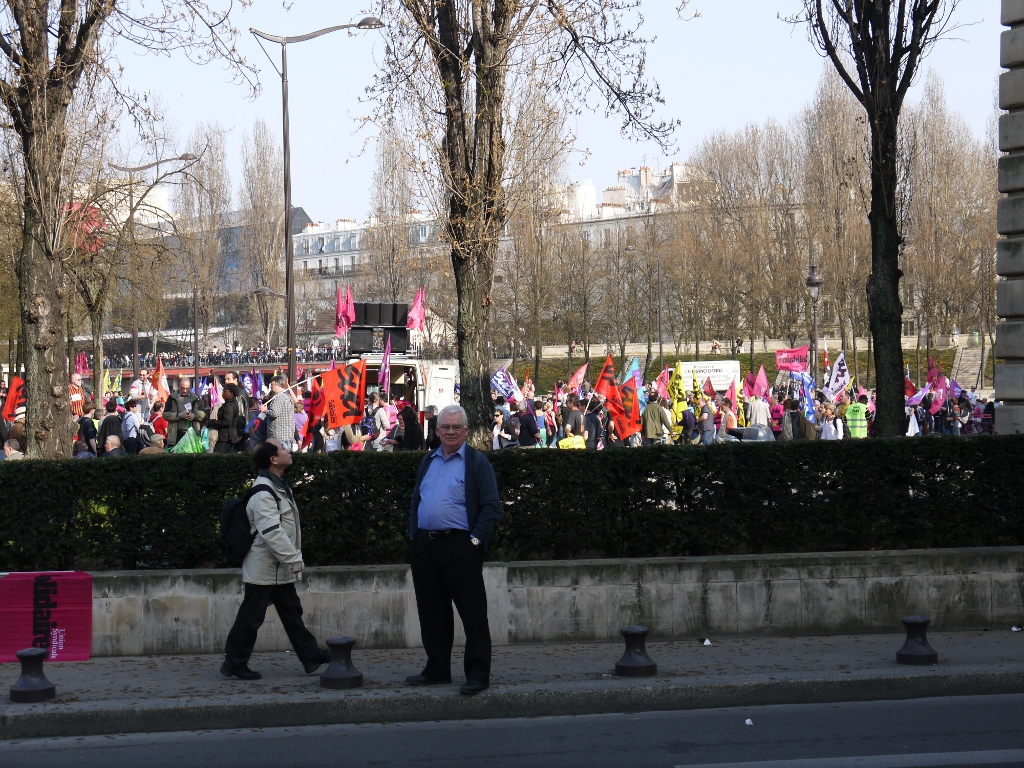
(369, 22)
(186, 158)
(814, 282)
(661, 346)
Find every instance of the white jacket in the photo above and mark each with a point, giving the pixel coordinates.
(277, 548)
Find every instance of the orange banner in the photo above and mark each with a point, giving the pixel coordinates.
(344, 392)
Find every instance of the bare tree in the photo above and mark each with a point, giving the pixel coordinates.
(53, 43)
(455, 61)
(262, 225)
(877, 47)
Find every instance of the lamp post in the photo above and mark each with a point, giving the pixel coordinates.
(661, 344)
(814, 282)
(289, 275)
(186, 158)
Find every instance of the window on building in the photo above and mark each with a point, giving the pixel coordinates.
(337, 265)
(319, 245)
(909, 328)
(606, 238)
(305, 247)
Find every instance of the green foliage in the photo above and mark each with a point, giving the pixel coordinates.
(162, 512)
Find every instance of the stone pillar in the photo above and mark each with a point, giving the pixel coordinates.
(1009, 377)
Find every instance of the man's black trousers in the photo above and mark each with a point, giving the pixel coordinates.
(251, 615)
(446, 570)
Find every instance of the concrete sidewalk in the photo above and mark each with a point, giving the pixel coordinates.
(177, 693)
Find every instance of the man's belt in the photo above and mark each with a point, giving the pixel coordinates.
(445, 532)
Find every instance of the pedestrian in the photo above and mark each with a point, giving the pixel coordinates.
(182, 410)
(230, 422)
(155, 447)
(144, 392)
(454, 508)
(433, 441)
(529, 430)
(12, 450)
(592, 425)
(857, 418)
(130, 427)
(500, 436)
(831, 427)
(706, 422)
(87, 431)
(270, 568)
(280, 410)
(243, 397)
(381, 424)
(412, 436)
(112, 448)
(760, 413)
(81, 450)
(111, 425)
(76, 395)
(655, 422)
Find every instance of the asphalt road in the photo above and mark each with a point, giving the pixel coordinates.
(964, 731)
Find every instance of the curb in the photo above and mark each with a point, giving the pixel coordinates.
(501, 701)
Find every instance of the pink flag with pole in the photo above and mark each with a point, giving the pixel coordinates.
(417, 315)
(761, 383)
(384, 377)
(661, 384)
(345, 312)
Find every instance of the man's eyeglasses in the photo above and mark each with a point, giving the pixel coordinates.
(449, 427)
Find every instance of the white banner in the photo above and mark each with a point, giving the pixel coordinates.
(722, 372)
(839, 379)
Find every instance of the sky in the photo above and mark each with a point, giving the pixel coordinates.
(737, 63)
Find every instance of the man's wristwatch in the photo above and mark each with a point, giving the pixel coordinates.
(474, 541)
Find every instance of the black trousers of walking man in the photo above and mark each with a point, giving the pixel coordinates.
(448, 569)
(253, 612)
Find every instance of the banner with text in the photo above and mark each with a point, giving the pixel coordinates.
(722, 373)
(344, 391)
(795, 360)
(47, 609)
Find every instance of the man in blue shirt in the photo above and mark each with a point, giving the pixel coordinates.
(454, 508)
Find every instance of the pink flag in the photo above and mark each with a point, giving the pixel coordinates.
(345, 312)
(661, 384)
(577, 378)
(731, 394)
(384, 377)
(417, 315)
(761, 383)
(795, 360)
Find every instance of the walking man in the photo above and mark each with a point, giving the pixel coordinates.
(271, 568)
(454, 508)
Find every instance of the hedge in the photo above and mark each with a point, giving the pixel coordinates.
(162, 512)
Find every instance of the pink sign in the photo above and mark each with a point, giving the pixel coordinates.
(795, 360)
(46, 609)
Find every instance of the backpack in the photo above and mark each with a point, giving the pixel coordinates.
(236, 534)
(514, 426)
(145, 436)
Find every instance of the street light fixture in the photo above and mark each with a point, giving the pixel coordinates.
(814, 282)
(185, 158)
(268, 292)
(661, 346)
(369, 22)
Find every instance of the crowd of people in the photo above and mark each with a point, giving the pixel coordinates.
(581, 420)
(236, 415)
(235, 356)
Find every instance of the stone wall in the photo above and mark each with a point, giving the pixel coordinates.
(172, 612)
(1009, 377)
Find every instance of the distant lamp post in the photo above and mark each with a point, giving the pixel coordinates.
(186, 158)
(814, 282)
(369, 22)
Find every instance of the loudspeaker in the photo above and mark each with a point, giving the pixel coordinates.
(399, 315)
(399, 340)
(373, 315)
(360, 313)
(360, 340)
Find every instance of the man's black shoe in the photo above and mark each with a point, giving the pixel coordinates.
(242, 673)
(424, 680)
(319, 661)
(473, 687)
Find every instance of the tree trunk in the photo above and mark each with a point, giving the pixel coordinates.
(71, 343)
(97, 353)
(42, 289)
(885, 310)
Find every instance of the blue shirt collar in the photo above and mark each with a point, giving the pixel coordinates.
(440, 452)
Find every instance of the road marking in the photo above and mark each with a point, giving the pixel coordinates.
(992, 757)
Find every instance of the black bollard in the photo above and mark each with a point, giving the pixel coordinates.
(635, 662)
(340, 673)
(33, 685)
(916, 649)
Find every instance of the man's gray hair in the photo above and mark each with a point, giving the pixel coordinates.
(13, 444)
(454, 409)
(281, 380)
(113, 441)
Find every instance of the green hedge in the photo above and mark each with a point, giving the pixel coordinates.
(799, 497)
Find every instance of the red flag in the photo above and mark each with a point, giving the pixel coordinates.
(732, 394)
(909, 390)
(628, 422)
(707, 388)
(15, 398)
(317, 406)
(344, 394)
(160, 381)
(607, 389)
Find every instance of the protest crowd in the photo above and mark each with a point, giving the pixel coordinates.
(235, 412)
